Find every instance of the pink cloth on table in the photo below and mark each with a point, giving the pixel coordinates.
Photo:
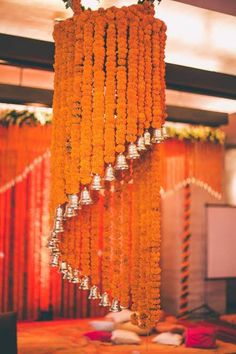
(200, 337)
(102, 336)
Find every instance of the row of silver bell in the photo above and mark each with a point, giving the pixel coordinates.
(73, 276)
(134, 150)
(75, 203)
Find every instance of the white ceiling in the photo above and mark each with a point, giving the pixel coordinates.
(196, 37)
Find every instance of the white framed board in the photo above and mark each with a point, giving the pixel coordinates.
(221, 241)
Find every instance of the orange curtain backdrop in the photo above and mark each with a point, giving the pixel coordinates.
(192, 162)
(19, 147)
(27, 284)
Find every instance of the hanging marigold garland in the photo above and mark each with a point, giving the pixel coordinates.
(86, 104)
(110, 97)
(109, 87)
(141, 81)
(132, 91)
(98, 96)
(122, 27)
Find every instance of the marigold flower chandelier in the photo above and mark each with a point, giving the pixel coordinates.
(109, 115)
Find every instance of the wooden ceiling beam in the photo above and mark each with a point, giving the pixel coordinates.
(196, 116)
(27, 52)
(25, 95)
(40, 54)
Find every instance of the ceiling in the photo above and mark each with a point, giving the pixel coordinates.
(196, 37)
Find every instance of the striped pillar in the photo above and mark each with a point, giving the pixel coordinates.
(185, 253)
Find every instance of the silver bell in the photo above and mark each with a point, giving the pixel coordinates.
(52, 240)
(84, 285)
(55, 251)
(59, 213)
(74, 201)
(104, 300)
(109, 174)
(69, 211)
(115, 306)
(164, 132)
(94, 293)
(96, 183)
(121, 163)
(58, 226)
(64, 277)
(51, 244)
(63, 267)
(75, 279)
(140, 144)
(147, 138)
(68, 275)
(85, 198)
(157, 137)
(55, 260)
(132, 152)
(54, 236)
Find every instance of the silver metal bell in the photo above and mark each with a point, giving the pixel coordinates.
(59, 213)
(115, 306)
(58, 226)
(147, 138)
(63, 267)
(84, 285)
(74, 201)
(140, 144)
(52, 240)
(55, 260)
(65, 275)
(109, 174)
(55, 251)
(96, 183)
(75, 279)
(68, 275)
(85, 198)
(94, 293)
(132, 152)
(157, 137)
(164, 132)
(51, 244)
(121, 163)
(54, 236)
(104, 300)
(69, 211)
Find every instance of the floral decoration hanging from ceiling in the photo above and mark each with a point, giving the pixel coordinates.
(108, 118)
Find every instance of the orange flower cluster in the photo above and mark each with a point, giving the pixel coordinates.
(163, 70)
(109, 78)
(122, 28)
(141, 81)
(95, 217)
(98, 96)
(156, 79)
(110, 97)
(132, 89)
(86, 104)
(148, 73)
